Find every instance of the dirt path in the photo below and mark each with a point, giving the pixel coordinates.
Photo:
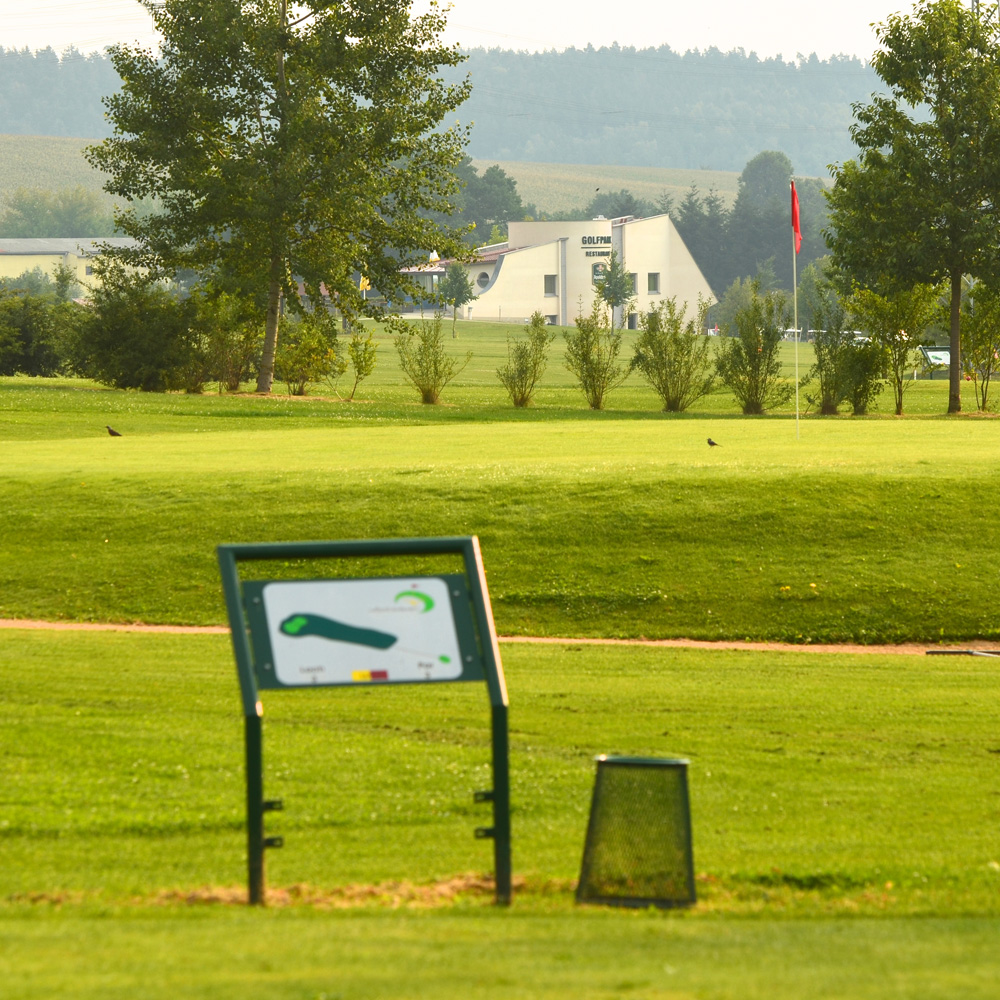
(905, 648)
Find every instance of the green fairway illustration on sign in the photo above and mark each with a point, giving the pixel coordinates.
(390, 630)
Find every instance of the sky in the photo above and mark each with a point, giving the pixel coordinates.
(788, 28)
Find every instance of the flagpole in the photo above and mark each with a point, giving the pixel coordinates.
(796, 231)
(795, 301)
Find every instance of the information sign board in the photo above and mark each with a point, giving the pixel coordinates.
(362, 631)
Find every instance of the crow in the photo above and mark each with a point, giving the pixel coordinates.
(713, 444)
(113, 432)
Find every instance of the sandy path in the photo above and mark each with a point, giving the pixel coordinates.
(905, 648)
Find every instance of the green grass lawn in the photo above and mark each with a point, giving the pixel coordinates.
(616, 523)
(842, 805)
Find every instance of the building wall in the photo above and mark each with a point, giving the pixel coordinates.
(517, 286)
(13, 265)
(551, 267)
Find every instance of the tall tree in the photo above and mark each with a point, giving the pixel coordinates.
(919, 205)
(68, 212)
(287, 144)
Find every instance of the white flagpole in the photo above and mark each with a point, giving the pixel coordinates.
(795, 306)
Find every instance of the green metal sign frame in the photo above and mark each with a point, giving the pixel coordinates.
(254, 642)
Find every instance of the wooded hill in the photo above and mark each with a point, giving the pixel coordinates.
(650, 107)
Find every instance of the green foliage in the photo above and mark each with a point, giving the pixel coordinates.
(30, 327)
(896, 321)
(848, 368)
(308, 352)
(230, 337)
(673, 356)
(918, 206)
(136, 334)
(362, 353)
(424, 362)
(526, 361)
(748, 361)
(615, 287)
(487, 202)
(615, 204)
(592, 349)
(456, 288)
(285, 148)
(69, 212)
(981, 339)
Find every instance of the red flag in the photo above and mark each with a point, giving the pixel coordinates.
(796, 227)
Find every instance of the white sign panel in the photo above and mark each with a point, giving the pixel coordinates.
(357, 631)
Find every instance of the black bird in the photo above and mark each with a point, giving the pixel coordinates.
(113, 432)
(711, 443)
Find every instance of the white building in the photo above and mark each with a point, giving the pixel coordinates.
(553, 268)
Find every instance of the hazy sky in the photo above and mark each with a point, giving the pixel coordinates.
(780, 27)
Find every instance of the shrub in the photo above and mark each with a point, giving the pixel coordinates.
(307, 351)
(749, 362)
(361, 353)
(136, 334)
(673, 356)
(424, 362)
(592, 351)
(526, 360)
(981, 340)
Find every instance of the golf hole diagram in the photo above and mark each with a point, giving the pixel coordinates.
(361, 631)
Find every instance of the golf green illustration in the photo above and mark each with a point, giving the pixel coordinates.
(360, 631)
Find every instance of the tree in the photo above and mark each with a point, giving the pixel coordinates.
(981, 339)
(69, 212)
(29, 334)
(615, 288)
(919, 204)
(457, 289)
(898, 322)
(673, 355)
(526, 360)
(592, 351)
(424, 362)
(615, 204)
(287, 146)
(749, 363)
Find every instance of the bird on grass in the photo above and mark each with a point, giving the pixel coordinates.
(113, 432)
(713, 444)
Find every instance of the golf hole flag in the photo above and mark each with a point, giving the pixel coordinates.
(796, 227)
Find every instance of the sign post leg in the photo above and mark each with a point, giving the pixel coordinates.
(255, 809)
(501, 805)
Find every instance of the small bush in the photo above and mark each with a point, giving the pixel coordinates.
(526, 360)
(361, 353)
(748, 361)
(592, 351)
(673, 356)
(424, 362)
(307, 351)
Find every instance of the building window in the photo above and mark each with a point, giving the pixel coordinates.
(653, 282)
(550, 284)
(633, 321)
(483, 280)
(551, 320)
(88, 269)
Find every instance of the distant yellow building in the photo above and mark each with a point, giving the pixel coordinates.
(18, 256)
(554, 268)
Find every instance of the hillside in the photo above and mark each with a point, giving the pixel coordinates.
(53, 163)
(561, 187)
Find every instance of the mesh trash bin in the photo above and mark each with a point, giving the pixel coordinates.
(638, 848)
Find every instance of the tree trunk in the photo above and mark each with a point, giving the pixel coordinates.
(955, 367)
(266, 374)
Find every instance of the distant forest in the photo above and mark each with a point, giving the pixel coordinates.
(639, 107)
